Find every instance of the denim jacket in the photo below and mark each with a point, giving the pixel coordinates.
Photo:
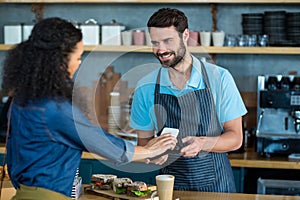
(46, 141)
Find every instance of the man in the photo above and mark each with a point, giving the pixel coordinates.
(198, 98)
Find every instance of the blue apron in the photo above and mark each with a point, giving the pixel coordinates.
(194, 114)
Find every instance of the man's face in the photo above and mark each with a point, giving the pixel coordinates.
(168, 46)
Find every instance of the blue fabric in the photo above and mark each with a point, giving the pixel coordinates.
(228, 102)
(46, 142)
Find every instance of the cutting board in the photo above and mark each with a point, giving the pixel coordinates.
(112, 194)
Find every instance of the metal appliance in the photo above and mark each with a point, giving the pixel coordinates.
(278, 115)
(278, 187)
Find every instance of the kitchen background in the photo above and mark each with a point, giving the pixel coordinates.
(244, 67)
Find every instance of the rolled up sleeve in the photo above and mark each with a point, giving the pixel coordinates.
(70, 126)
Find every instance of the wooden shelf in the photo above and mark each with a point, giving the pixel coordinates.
(196, 49)
(251, 159)
(150, 1)
(249, 50)
(5, 47)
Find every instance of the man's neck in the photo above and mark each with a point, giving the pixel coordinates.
(181, 73)
(184, 66)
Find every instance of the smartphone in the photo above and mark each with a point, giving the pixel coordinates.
(173, 131)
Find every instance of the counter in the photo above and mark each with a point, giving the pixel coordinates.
(248, 159)
(252, 159)
(8, 191)
(246, 168)
(191, 195)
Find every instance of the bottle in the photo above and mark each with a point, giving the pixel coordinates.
(296, 83)
(285, 83)
(272, 83)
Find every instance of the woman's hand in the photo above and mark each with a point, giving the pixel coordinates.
(158, 146)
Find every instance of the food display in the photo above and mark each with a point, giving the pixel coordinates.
(125, 188)
(120, 185)
(138, 189)
(102, 181)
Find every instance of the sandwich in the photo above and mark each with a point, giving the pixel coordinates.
(120, 185)
(102, 181)
(138, 189)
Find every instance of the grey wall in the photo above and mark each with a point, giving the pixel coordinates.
(244, 68)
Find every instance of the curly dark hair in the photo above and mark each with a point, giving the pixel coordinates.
(166, 17)
(38, 67)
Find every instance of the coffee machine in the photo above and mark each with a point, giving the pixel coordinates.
(278, 115)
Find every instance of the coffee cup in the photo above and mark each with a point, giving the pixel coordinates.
(218, 38)
(138, 37)
(205, 38)
(148, 39)
(164, 184)
(193, 39)
(126, 38)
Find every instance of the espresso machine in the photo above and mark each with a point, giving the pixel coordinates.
(278, 115)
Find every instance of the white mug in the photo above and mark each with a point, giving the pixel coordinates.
(218, 38)
(205, 38)
(164, 184)
(148, 39)
(126, 38)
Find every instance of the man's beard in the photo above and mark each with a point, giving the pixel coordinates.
(178, 56)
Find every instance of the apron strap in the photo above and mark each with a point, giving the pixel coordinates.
(157, 84)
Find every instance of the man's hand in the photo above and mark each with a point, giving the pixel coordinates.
(194, 144)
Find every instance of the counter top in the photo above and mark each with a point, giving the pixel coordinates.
(252, 159)
(192, 195)
(9, 191)
(249, 158)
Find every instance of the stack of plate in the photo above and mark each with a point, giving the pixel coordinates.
(275, 26)
(114, 113)
(293, 27)
(252, 23)
(114, 116)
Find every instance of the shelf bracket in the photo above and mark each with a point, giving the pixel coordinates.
(214, 11)
(38, 9)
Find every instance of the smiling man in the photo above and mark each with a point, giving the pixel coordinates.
(198, 98)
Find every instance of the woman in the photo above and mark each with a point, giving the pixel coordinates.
(46, 140)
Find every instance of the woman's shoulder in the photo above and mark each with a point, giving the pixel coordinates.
(48, 105)
(56, 104)
(48, 109)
